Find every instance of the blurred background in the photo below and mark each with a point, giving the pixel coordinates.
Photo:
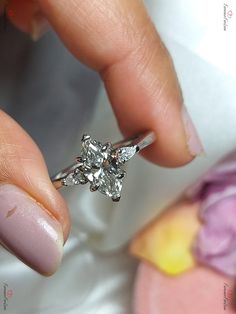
(56, 99)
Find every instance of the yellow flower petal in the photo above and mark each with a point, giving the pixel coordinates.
(167, 242)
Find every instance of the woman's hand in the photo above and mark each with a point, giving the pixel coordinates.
(117, 39)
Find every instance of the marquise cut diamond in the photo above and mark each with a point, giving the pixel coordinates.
(101, 166)
(92, 153)
(110, 185)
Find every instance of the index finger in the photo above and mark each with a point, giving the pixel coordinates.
(118, 39)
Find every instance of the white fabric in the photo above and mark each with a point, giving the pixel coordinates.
(87, 282)
(90, 282)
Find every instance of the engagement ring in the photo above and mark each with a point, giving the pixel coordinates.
(102, 164)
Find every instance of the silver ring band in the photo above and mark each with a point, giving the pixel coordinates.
(101, 164)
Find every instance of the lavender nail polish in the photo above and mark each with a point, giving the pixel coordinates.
(194, 144)
(28, 231)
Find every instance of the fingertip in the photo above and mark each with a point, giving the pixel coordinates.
(136, 68)
(27, 16)
(22, 164)
(28, 230)
(156, 155)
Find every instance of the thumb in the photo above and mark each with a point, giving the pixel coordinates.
(34, 220)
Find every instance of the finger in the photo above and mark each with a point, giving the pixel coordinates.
(118, 39)
(34, 220)
(27, 16)
(149, 97)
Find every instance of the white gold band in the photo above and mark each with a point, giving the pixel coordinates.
(101, 164)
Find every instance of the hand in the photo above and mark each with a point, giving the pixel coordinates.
(117, 39)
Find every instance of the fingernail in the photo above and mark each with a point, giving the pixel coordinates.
(28, 231)
(195, 146)
(39, 26)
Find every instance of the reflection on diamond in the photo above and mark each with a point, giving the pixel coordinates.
(126, 153)
(92, 153)
(101, 165)
(80, 178)
(93, 175)
(76, 177)
(109, 184)
(69, 180)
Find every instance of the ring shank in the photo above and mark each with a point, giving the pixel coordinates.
(58, 177)
(140, 141)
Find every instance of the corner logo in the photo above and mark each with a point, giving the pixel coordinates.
(228, 14)
(6, 295)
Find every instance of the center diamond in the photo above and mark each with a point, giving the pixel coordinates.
(111, 180)
(101, 165)
(92, 153)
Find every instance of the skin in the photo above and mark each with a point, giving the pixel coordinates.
(117, 39)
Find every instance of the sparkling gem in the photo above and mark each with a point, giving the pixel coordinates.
(79, 177)
(70, 180)
(109, 184)
(92, 153)
(126, 153)
(93, 175)
(76, 177)
(101, 166)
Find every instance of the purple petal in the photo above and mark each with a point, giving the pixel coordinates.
(217, 178)
(216, 242)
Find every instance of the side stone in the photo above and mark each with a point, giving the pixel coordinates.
(126, 153)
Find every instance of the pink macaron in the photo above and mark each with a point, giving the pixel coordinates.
(198, 291)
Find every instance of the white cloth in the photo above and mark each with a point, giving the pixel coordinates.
(89, 282)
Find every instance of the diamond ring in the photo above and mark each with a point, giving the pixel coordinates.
(102, 164)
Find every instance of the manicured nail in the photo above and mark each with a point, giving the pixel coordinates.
(28, 231)
(193, 141)
(39, 26)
